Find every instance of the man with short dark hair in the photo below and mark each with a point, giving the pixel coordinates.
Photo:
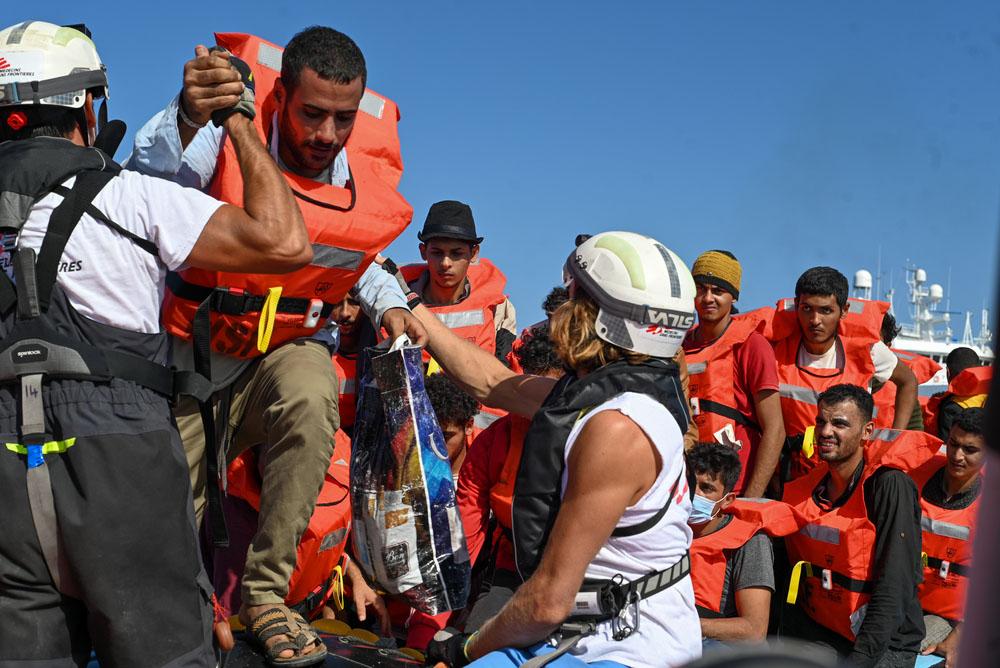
(454, 409)
(950, 487)
(858, 560)
(269, 337)
(831, 340)
(465, 291)
(732, 563)
(733, 374)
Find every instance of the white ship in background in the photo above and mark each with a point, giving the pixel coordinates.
(929, 331)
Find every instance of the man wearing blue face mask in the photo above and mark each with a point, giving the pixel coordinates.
(732, 563)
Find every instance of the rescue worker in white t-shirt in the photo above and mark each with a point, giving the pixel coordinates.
(600, 504)
(98, 549)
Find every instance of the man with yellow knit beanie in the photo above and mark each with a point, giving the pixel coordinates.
(734, 377)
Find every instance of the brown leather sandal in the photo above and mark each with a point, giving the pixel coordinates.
(277, 621)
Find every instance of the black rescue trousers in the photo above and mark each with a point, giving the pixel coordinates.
(140, 597)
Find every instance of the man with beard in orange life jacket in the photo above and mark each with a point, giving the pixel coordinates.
(834, 343)
(950, 487)
(265, 341)
(857, 564)
(356, 333)
(733, 374)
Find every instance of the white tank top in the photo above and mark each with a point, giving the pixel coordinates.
(668, 633)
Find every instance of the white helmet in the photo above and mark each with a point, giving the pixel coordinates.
(644, 290)
(42, 63)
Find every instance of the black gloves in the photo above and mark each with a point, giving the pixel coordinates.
(448, 647)
(245, 105)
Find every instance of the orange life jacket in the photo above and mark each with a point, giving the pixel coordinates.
(473, 318)
(712, 376)
(708, 556)
(947, 546)
(347, 227)
(969, 388)
(833, 555)
(922, 367)
(502, 492)
(799, 388)
(347, 374)
(325, 538)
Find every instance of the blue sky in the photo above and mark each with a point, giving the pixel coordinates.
(792, 133)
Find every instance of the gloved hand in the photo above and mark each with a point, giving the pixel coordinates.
(448, 647)
(245, 104)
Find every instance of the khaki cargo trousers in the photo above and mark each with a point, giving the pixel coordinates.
(285, 402)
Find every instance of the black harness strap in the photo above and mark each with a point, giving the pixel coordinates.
(63, 221)
(636, 529)
(97, 214)
(728, 412)
(957, 569)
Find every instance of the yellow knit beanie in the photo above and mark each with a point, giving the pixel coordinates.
(719, 268)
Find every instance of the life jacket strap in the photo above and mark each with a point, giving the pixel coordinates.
(945, 567)
(601, 600)
(828, 579)
(728, 412)
(641, 527)
(235, 301)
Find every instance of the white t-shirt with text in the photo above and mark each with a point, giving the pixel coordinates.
(107, 277)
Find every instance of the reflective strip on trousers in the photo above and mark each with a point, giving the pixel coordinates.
(823, 534)
(459, 319)
(945, 529)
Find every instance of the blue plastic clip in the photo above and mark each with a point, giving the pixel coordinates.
(35, 456)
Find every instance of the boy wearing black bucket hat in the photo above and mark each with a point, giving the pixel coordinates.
(465, 291)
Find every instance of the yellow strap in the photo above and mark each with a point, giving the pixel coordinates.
(337, 588)
(809, 441)
(48, 448)
(267, 313)
(433, 367)
(793, 584)
(923, 559)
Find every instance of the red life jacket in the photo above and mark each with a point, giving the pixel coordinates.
(799, 388)
(347, 227)
(347, 373)
(969, 388)
(712, 375)
(833, 555)
(708, 553)
(325, 538)
(502, 491)
(947, 546)
(473, 318)
(922, 367)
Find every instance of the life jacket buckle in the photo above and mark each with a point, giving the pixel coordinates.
(945, 569)
(230, 301)
(827, 579)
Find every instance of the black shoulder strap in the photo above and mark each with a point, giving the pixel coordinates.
(97, 214)
(636, 529)
(62, 222)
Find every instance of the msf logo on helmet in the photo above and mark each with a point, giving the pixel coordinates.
(668, 318)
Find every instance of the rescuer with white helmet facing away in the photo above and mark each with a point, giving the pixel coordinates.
(98, 549)
(603, 460)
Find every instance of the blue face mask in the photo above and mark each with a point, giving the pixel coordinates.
(702, 510)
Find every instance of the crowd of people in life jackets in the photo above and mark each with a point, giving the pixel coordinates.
(643, 476)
